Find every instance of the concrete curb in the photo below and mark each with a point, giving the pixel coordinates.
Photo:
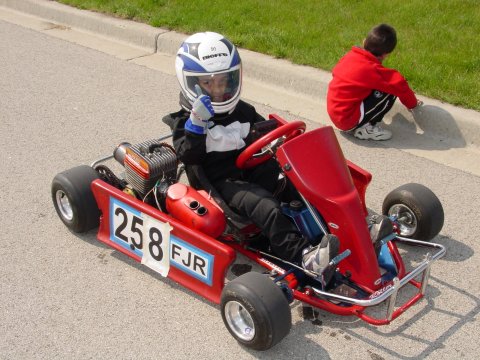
(445, 122)
(131, 32)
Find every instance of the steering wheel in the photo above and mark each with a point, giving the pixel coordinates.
(249, 157)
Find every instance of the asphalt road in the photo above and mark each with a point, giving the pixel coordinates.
(68, 296)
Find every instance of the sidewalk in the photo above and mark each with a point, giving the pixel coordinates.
(440, 132)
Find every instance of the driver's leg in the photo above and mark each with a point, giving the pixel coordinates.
(259, 205)
(265, 175)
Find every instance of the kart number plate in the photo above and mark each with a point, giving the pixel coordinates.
(142, 235)
(150, 240)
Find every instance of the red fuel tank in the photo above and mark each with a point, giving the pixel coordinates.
(194, 209)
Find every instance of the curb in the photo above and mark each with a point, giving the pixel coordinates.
(131, 32)
(437, 120)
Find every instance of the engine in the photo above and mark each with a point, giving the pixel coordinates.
(151, 168)
(147, 165)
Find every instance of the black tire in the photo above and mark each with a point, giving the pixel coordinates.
(73, 198)
(261, 306)
(420, 213)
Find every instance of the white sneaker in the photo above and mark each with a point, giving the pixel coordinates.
(372, 132)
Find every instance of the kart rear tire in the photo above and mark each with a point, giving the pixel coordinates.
(73, 198)
(255, 311)
(419, 211)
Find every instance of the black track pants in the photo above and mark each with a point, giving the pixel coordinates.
(375, 106)
(257, 203)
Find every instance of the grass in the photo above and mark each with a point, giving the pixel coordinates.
(438, 40)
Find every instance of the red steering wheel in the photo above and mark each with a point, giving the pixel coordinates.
(249, 157)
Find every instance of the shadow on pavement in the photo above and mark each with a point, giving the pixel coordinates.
(456, 250)
(407, 334)
(447, 318)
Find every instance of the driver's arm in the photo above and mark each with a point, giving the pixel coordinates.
(190, 147)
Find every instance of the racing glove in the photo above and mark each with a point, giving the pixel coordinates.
(202, 111)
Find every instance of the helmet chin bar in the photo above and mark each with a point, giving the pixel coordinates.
(229, 107)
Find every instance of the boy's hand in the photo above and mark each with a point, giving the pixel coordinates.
(417, 108)
(202, 111)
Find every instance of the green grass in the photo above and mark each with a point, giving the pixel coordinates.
(438, 47)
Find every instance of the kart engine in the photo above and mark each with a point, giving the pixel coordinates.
(147, 164)
(151, 165)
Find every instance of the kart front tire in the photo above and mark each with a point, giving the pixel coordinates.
(255, 311)
(73, 198)
(418, 210)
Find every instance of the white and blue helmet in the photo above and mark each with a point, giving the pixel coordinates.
(209, 54)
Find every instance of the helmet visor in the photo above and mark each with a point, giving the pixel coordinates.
(222, 87)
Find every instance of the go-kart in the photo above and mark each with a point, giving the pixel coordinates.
(184, 231)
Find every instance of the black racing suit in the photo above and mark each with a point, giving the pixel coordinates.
(248, 192)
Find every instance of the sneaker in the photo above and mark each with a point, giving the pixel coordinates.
(381, 226)
(317, 258)
(372, 132)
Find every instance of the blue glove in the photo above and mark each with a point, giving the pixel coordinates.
(202, 111)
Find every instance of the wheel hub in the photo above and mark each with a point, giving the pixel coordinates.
(64, 205)
(405, 218)
(239, 320)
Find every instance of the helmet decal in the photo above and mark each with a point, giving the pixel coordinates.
(190, 65)
(235, 59)
(228, 44)
(191, 48)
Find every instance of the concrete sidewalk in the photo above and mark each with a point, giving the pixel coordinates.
(440, 132)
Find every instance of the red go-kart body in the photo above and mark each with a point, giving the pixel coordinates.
(189, 239)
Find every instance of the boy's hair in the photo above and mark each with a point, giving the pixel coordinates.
(381, 40)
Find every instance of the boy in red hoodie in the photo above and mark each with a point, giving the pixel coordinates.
(362, 90)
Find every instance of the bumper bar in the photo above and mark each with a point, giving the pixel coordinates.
(390, 291)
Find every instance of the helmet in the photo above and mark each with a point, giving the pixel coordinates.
(211, 61)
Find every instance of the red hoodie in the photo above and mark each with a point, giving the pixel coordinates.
(355, 76)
